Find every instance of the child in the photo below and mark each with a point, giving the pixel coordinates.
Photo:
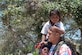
(44, 48)
(54, 20)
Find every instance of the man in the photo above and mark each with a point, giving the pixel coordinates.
(54, 37)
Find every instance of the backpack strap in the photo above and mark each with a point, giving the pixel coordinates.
(68, 44)
(72, 47)
(57, 47)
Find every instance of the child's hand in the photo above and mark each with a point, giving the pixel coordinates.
(43, 42)
(37, 45)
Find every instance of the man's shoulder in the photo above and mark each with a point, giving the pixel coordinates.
(64, 46)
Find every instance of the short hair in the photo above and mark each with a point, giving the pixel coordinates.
(48, 45)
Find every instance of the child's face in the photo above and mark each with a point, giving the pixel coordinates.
(54, 18)
(44, 51)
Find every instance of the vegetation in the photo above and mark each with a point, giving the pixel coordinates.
(22, 21)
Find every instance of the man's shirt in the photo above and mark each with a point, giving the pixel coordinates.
(63, 50)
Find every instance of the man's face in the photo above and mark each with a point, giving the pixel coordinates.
(53, 35)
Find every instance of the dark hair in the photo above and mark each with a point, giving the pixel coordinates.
(48, 45)
(54, 11)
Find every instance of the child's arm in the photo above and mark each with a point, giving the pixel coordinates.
(43, 37)
(58, 30)
(44, 31)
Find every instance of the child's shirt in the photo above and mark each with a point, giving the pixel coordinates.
(47, 25)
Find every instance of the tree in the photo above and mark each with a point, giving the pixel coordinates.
(26, 16)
